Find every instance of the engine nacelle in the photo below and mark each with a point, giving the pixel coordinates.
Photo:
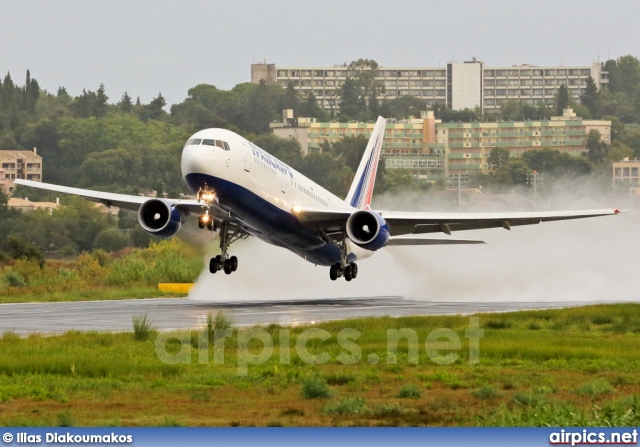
(159, 217)
(368, 230)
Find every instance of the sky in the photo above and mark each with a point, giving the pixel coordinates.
(146, 47)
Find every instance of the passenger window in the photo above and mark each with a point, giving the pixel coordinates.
(219, 144)
(226, 146)
(209, 142)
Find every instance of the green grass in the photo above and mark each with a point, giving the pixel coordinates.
(584, 374)
(130, 273)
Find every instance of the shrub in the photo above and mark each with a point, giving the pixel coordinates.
(410, 392)
(594, 389)
(339, 379)
(20, 249)
(69, 251)
(111, 240)
(485, 392)
(14, 279)
(218, 322)
(315, 388)
(347, 406)
(142, 328)
(498, 324)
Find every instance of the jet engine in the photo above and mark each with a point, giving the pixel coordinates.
(368, 230)
(159, 217)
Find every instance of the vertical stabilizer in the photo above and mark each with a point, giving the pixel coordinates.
(362, 187)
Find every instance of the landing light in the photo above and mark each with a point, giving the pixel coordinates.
(297, 209)
(205, 218)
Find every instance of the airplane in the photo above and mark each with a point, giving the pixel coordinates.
(241, 191)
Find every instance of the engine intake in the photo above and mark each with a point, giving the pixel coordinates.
(368, 230)
(159, 217)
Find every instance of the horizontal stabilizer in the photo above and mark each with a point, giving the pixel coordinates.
(422, 241)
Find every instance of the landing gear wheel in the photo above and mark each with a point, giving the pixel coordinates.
(348, 273)
(234, 263)
(354, 270)
(213, 265)
(333, 272)
(200, 224)
(228, 268)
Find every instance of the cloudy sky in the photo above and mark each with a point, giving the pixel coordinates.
(146, 46)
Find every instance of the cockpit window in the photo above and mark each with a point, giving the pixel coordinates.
(217, 143)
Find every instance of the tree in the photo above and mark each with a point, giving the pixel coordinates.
(154, 110)
(556, 163)
(285, 149)
(562, 101)
(404, 107)
(310, 108)
(290, 99)
(111, 240)
(590, 96)
(627, 74)
(20, 249)
(596, 150)
(125, 104)
(498, 157)
(349, 101)
(617, 151)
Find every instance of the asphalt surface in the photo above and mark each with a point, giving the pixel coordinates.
(182, 313)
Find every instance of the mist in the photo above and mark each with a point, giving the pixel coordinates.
(591, 260)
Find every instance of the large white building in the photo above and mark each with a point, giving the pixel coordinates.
(458, 85)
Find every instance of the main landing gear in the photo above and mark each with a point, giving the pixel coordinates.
(343, 268)
(350, 271)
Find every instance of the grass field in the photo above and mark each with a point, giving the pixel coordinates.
(574, 366)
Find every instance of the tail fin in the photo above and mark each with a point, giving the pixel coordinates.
(362, 187)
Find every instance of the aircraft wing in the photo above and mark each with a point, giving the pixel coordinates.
(125, 201)
(400, 223)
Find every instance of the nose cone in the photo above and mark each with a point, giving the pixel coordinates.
(196, 159)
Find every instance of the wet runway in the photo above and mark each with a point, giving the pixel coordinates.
(182, 313)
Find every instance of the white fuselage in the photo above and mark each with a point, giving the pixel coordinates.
(261, 192)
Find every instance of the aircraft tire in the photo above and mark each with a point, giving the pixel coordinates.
(234, 263)
(228, 268)
(354, 270)
(348, 273)
(213, 265)
(333, 272)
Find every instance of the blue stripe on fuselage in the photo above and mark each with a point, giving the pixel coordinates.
(268, 222)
